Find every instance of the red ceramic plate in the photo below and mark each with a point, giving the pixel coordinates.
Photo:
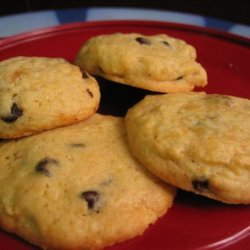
(193, 222)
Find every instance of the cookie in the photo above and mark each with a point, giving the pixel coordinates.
(39, 93)
(195, 141)
(158, 63)
(78, 187)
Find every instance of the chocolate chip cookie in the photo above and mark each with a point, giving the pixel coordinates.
(38, 93)
(195, 141)
(78, 187)
(159, 62)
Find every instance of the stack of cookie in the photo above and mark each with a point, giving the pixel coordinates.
(75, 179)
(68, 179)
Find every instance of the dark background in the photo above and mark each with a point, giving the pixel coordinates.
(232, 10)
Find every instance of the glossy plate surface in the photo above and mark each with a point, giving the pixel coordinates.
(193, 222)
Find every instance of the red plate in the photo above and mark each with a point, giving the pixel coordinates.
(193, 222)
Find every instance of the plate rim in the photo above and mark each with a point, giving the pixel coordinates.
(75, 26)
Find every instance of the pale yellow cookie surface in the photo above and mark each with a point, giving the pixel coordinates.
(195, 141)
(78, 187)
(38, 93)
(159, 62)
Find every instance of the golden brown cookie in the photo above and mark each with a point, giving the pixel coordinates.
(78, 187)
(195, 141)
(39, 93)
(159, 62)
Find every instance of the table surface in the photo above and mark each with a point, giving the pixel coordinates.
(25, 22)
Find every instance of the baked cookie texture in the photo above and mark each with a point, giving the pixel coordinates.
(195, 141)
(38, 93)
(78, 187)
(159, 62)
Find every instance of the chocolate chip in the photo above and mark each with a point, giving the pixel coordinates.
(179, 78)
(143, 40)
(44, 166)
(15, 113)
(90, 93)
(200, 185)
(166, 43)
(91, 197)
(77, 145)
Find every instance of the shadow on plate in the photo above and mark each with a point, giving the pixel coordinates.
(117, 98)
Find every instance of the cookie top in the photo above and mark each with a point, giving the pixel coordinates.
(38, 93)
(78, 187)
(159, 62)
(195, 141)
